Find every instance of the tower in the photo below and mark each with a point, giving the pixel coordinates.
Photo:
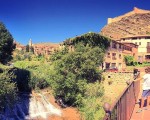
(30, 43)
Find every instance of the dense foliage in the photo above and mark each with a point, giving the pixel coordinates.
(78, 67)
(92, 102)
(92, 39)
(8, 88)
(6, 44)
(73, 75)
(34, 74)
(129, 60)
(74, 70)
(27, 56)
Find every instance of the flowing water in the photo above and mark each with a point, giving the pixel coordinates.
(30, 107)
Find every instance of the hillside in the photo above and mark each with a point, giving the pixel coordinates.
(134, 23)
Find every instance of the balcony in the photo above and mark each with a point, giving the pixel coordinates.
(147, 60)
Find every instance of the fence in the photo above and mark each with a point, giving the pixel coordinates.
(123, 107)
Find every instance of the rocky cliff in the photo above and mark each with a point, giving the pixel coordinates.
(134, 23)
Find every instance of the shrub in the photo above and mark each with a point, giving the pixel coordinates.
(38, 73)
(74, 70)
(91, 108)
(7, 89)
(129, 60)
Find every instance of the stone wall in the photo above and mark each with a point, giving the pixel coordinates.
(134, 11)
(117, 78)
(115, 84)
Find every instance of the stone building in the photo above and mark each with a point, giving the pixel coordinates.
(132, 27)
(44, 48)
(19, 46)
(143, 42)
(114, 57)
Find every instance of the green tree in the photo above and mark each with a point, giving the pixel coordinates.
(129, 60)
(59, 54)
(8, 90)
(74, 70)
(92, 39)
(6, 44)
(27, 48)
(92, 102)
(31, 50)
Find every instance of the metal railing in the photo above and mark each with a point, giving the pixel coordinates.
(123, 108)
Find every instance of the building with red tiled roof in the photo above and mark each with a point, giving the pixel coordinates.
(19, 46)
(44, 48)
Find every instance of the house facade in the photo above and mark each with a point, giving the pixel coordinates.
(143, 42)
(19, 46)
(131, 28)
(114, 57)
(44, 48)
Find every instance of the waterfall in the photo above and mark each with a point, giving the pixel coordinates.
(50, 107)
(30, 107)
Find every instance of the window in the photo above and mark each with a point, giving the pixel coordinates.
(120, 56)
(108, 55)
(147, 37)
(114, 45)
(148, 44)
(113, 65)
(136, 43)
(147, 57)
(114, 56)
(119, 46)
(139, 43)
(134, 38)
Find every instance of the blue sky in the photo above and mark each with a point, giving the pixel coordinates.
(56, 20)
